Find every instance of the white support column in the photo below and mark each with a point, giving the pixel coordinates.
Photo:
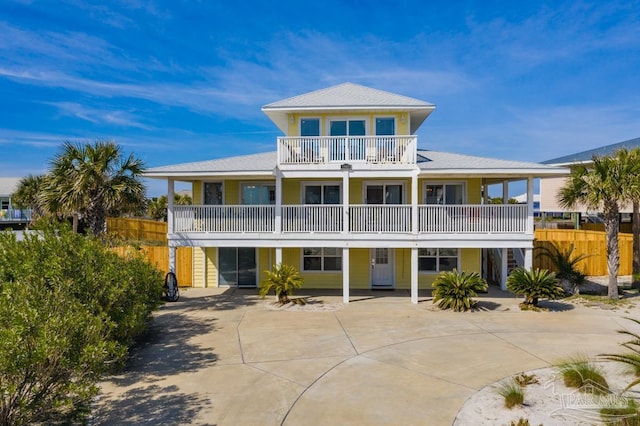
(414, 203)
(345, 202)
(345, 275)
(278, 255)
(485, 251)
(530, 205)
(528, 258)
(414, 275)
(505, 192)
(504, 268)
(170, 197)
(278, 209)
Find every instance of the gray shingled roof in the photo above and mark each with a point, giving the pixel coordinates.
(435, 161)
(587, 156)
(8, 185)
(446, 161)
(348, 96)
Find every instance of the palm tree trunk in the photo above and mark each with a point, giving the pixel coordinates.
(612, 227)
(75, 220)
(636, 244)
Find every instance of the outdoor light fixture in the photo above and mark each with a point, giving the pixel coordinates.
(403, 118)
(290, 118)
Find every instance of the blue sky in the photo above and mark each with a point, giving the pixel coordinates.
(176, 81)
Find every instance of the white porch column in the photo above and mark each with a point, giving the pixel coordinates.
(505, 192)
(414, 275)
(528, 258)
(414, 204)
(278, 255)
(170, 196)
(278, 209)
(345, 275)
(504, 268)
(345, 201)
(530, 205)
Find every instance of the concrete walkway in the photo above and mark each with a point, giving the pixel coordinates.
(225, 358)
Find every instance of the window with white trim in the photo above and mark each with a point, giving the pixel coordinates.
(322, 194)
(258, 193)
(321, 259)
(438, 259)
(444, 193)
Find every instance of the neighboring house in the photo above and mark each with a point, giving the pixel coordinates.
(348, 199)
(9, 214)
(522, 199)
(550, 186)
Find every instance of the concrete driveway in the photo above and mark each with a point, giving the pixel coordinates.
(221, 357)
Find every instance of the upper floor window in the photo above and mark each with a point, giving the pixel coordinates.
(385, 126)
(258, 194)
(347, 128)
(212, 193)
(310, 127)
(322, 194)
(444, 193)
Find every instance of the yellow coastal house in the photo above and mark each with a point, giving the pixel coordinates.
(349, 199)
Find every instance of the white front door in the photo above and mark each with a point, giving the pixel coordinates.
(381, 264)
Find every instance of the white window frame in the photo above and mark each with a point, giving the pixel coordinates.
(443, 183)
(395, 124)
(437, 257)
(222, 191)
(260, 183)
(321, 184)
(328, 121)
(309, 118)
(322, 258)
(385, 183)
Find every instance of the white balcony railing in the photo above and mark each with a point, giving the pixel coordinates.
(493, 218)
(224, 219)
(312, 218)
(380, 218)
(347, 149)
(390, 219)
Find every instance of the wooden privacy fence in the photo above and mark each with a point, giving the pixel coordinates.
(158, 256)
(137, 229)
(592, 243)
(624, 227)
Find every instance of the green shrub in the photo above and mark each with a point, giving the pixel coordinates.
(284, 280)
(512, 393)
(534, 285)
(455, 290)
(622, 416)
(578, 372)
(566, 264)
(69, 309)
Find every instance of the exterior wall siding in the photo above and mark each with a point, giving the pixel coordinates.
(401, 128)
(211, 258)
(198, 267)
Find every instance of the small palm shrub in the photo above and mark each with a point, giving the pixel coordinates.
(512, 393)
(455, 290)
(534, 284)
(284, 280)
(578, 372)
(631, 359)
(566, 265)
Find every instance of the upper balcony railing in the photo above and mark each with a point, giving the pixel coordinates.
(390, 150)
(15, 215)
(373, 219)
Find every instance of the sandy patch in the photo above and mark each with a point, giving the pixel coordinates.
(548, 402)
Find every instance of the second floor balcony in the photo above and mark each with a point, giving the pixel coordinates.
(359, 219)
(379, 150)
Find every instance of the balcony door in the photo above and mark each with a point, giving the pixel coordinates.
(353, 129)
(384, 194)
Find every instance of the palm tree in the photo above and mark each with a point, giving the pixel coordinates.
(26, 195)
(634, 196)
(284, 279)
(603, 185)
(455, 290)
(92, 180)
(566, 265)
(534, 284)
